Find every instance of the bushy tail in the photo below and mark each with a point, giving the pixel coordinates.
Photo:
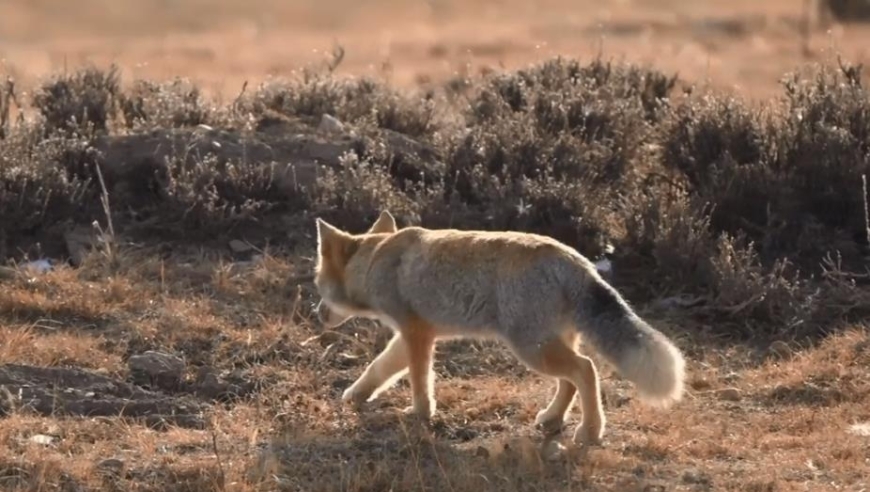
(639, 352)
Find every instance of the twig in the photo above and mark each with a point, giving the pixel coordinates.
(337, 58)
(7, 97)
(217, 455)
(737, 308)
(104, 199)
(866, 212)
(238, 99)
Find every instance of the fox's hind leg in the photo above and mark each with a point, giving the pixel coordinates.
(390, 365)
(552, 418)
(420, 339)
(558, 359)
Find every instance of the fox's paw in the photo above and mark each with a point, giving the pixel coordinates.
(589, 434)
(355, 396)
(423, 411)
(549, 423)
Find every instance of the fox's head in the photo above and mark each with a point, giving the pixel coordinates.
(335, 250)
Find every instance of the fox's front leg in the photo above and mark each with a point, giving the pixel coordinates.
(390, 365)
(552, 417)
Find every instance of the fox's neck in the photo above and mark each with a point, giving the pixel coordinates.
(357, 276)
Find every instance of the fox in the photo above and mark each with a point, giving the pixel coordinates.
(533, 293)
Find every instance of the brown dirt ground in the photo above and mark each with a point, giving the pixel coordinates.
(797, 422)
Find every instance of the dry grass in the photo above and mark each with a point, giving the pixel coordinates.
(790, 429)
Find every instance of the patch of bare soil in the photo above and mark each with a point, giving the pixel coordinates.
(50, 391)
(159, 399)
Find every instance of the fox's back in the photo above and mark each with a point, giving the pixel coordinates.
(472, 280)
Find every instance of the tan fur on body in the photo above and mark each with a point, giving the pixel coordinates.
(532, 292)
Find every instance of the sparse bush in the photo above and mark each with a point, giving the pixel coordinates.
(556, 148)
(824, 151)
(79, 102)
(668, 237)
(210, 196)
(36, 189)
(164, 105)
(724, 151)
(790, 181)
(749, 295)
(353, 196)
(351, 101)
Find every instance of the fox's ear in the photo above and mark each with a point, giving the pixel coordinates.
(385, 223)
(326, 233)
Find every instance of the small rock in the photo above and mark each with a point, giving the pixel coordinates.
(330, 124)
(482, 452)
(7, 273)
(79, 243)
(860, 429)
(39, 266)
(110, 467)
(700, 384)
(210, 384)
(43, 439)
(239, 247)
(553, 451)
(731, 377)
(696, 477)
(729, 394)
(779, 349)
(156, 368)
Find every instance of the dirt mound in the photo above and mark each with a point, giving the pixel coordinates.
(191, 183)
(75, 392)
